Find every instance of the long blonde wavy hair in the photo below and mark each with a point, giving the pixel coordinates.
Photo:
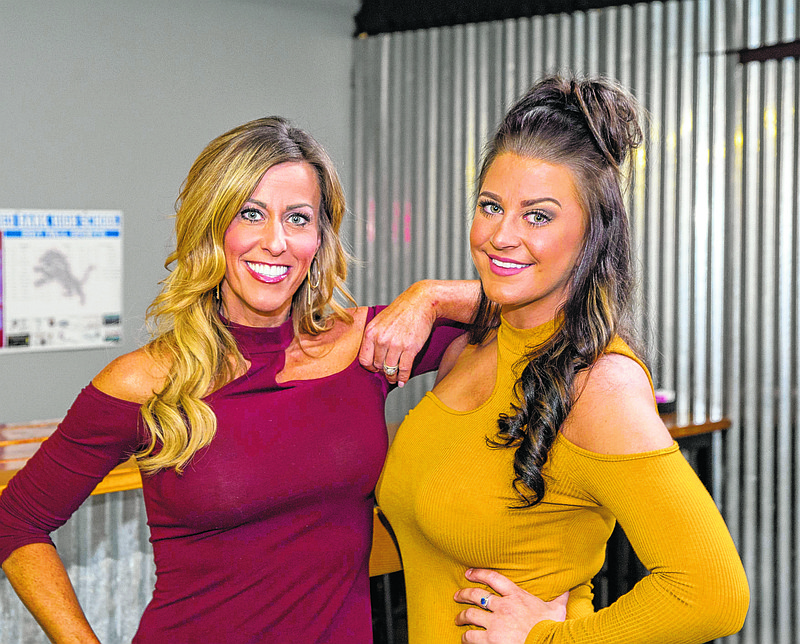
(188, 334)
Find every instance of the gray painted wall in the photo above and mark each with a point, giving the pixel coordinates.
(106, 105)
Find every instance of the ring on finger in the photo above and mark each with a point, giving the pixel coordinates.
(485, 602)
(390, 371)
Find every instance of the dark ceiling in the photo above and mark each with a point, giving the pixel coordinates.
(381, 16)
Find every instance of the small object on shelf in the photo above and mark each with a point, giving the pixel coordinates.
(665, 400)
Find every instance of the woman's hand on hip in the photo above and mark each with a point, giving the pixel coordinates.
(508, 614)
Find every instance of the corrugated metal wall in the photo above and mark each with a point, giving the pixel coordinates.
(714, 209)
(716, 213)
(109, 559)
(763, 493)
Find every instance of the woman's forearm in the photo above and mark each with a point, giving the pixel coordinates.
(38, 576)
(453, 299)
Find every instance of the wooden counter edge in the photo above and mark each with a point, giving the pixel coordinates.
(693, 429)
(123, 477)
(126, 475)
(384, 556)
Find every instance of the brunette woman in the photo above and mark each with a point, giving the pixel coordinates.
(542, 431)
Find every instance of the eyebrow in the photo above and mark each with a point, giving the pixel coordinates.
(289, 207)
(526, 203)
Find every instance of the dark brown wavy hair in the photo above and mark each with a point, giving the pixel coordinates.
(589, 126)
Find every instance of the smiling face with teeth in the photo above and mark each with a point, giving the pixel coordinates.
(270, 244)
(526, 236)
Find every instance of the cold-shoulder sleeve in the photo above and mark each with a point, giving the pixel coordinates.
(696, 590)
(443, 333)
(98, 433)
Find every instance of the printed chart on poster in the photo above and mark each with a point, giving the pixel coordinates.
(61, 279)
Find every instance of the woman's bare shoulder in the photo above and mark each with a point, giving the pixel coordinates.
(339, 330)
(451, 355)
(359, 323)
(134, 376)
(615, 411)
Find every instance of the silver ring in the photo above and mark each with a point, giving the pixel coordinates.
(390, 371)
(485, 602)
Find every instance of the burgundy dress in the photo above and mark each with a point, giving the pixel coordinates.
(265, 537)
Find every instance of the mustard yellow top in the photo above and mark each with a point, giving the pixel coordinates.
(447, 496)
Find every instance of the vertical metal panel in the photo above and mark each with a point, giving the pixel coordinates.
(537, 66)
(423, 143)
(666, 320)
(608, 41)
(407, 138)
(432, 219)
(717, 242)
(563, 25)
(715, 210)
(473, 137)
(384, 159)
(522, 52)
(392, 206)
(626, 52)
(510, 89)
(791, 203)
(593, 42)
(786, 295)
(444, 123)
(734, 495)
(794, 598)
(640, 43)
(109, 559)
(750, 334)
(684, 170)
(650, 255)
(701, 211)
(768, 286)
(578, 40)
(457, 248)
(550, 40)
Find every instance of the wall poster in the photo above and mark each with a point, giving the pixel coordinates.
(60, 279)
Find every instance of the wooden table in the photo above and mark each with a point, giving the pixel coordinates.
(695, 440)
(693, 429)
(18, 442)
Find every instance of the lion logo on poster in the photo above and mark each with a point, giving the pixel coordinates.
(54, 267)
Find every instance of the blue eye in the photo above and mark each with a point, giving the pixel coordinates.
(537, 217)
(251, 214)
(490, 207)
(298, 219)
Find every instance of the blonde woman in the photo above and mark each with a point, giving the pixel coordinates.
(259, 435)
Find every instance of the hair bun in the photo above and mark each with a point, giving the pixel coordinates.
(612, 116)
